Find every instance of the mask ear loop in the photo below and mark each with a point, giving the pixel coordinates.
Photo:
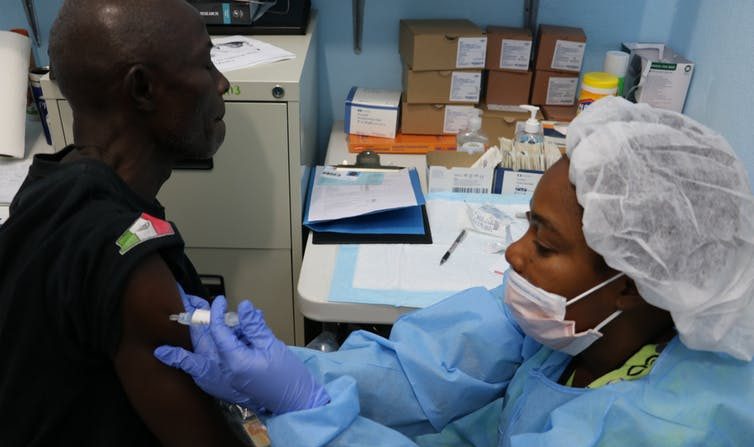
(607, 321)
(613, 315)
(597, 287)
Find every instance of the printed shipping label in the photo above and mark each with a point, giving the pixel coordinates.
(515, 54)
(371, 121)
(520, 183)
(561, 91)
(568, 55)
(465, 87)
(471, 52)
(463, 180)
(665, 85)
(457, 118)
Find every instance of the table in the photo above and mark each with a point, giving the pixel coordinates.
(319, 260)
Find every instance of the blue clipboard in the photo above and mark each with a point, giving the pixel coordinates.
(401, 225)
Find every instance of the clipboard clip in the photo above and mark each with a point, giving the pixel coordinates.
(367, 161)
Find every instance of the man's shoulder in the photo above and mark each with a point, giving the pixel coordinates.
(86, 199)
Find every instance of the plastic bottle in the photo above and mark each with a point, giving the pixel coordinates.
(596, 85)
(529, 142)
(616, 63)
(472, 140)
(531, 131)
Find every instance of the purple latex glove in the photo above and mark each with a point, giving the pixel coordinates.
(203, 365)
(261, 366)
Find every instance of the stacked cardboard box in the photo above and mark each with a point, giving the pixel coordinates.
(560, 53)
(498, 123)
(508, 75)
(442, 74)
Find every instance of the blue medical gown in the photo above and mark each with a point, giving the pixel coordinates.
(461, 373)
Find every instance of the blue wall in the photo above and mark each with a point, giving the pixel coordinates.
(716, 34)
(719, 37)
(12, 16)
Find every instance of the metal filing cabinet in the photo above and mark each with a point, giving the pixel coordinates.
(241, 220)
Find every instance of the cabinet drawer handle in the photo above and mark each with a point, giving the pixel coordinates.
(194, 165)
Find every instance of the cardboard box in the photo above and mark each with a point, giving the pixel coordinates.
(560, 48)
(435, 119)
(501, 123)
(442, 44)
(451, 172)
(553, 88)
(508, 48)
(402, 144)
(442, 87)
(657, 76)
(559, 113)
(372, 112)
(508, 88)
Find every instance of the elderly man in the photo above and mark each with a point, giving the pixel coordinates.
(87, 263)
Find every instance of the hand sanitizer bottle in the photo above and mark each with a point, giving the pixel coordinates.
(472, 140)
(530, 132)
(529, 142)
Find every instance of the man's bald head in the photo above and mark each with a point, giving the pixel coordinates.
(139, 72)
(94, 42)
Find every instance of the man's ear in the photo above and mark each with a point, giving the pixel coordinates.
(629, 297)
(139, 84)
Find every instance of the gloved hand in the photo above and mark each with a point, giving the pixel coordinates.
(261, 366)
(204, 363)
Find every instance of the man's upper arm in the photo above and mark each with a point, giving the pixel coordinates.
(174, 409)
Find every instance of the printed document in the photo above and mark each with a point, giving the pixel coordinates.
(337, 194)
(234, 52)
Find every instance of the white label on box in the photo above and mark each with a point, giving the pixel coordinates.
(463, 180)
(561, 91)
(471, 52)
(376, 97)
(465, 87)
(374, 122)
(666, 85)
(520, 183)
(568, 55)
(515, 54)
(457, 118)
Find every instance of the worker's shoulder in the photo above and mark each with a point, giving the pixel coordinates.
(693, 371)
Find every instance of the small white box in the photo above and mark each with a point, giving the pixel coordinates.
(451, 171)
(372, 112)
(657, 76)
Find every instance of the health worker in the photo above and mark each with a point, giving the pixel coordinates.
(627, 318)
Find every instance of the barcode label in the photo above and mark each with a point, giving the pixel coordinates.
(469, 190)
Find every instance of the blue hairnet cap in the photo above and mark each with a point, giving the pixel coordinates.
(667, 202)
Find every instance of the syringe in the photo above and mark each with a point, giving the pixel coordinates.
(201, 316)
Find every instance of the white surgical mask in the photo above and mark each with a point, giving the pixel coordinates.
(541, 315)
